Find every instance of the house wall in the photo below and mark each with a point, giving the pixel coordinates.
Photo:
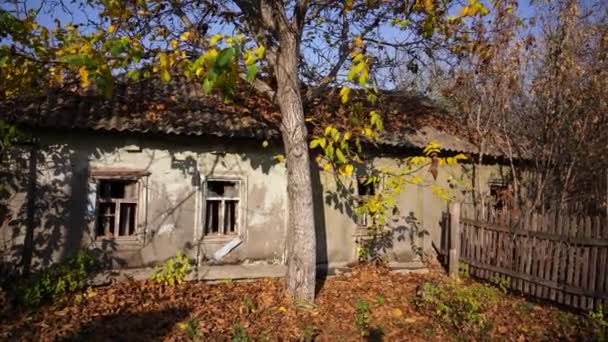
(55, 213)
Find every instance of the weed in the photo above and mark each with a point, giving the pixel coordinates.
(501, 282)
(599, 321)
(463, 270)
(239, 334)
(379, 300)
(363, 253)
(249, 306)
(525, 307)
(190, 327)
(362, 316)
(68, 276)
(461, 306)
(174, 271)
(310, 332)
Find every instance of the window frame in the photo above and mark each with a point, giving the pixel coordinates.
(240, 220)
(139, 177)
(363, 221)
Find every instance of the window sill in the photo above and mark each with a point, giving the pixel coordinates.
(219, 238)
(118, 243)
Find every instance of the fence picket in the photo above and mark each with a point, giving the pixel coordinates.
(548, 255)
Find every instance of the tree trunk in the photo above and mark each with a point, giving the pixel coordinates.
(301, 239)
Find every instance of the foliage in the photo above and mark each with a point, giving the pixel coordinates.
(463, 307)
(240, 334)
(230, 45)
(463, 269)
(190, 327)
(249, 306)
(310, 332)
(362, 316)
(173, 271)
(502, 282)
(217, 308)
(51, 284)
(599, 321)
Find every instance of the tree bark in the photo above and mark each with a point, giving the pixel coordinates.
(301, 239)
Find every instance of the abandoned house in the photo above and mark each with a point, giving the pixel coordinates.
(157, 169)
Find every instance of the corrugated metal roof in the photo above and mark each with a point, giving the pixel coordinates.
(180, 107)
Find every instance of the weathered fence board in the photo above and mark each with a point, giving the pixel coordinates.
(547, 255)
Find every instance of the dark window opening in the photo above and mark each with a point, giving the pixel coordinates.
(500, 195)
(117, 208)
(222, 208)
(365, 188)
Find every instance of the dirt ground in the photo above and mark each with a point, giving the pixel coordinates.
(261, 311)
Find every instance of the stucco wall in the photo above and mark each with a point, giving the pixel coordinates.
(61, 209)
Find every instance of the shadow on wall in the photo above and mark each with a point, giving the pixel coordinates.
(401, 229)
(51, 218)
(46, 214)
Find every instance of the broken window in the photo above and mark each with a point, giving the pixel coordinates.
(365, 188)
(501, 194)
(222, 200)
(117, 207)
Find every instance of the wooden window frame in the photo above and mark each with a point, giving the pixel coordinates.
(139, 178)
(363, 221)
(222, 199)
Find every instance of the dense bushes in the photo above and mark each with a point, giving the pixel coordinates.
(68, 276)
(463, 307)
(174, 271)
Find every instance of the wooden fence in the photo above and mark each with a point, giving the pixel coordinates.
(550, 256)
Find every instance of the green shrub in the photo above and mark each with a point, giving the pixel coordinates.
(599, 320)
(68, 276)
(310, 332)
(174, 271)
(239, 334)
(463, 270)
(192, 328)
(462, 307)
(502, 282)
(362, 316)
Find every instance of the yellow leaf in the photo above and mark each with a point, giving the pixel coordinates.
(348, 5)
(163, 60)
(182, 326)
(279, 158)
(397, 312)
(260, 51)
(348, 170)
(216, 38)
(174, 44)
(416, 180)
(358, 41)
(344, 92)
(185, 36)
(111, 29)
(265, 143)
(282, 309)
(250, 59)
(326, 167)
(84, 77)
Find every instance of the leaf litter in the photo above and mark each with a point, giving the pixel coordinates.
(262, 309)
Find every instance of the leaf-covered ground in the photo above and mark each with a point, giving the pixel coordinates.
(261, 311)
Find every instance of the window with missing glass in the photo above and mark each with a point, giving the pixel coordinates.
(222, 207)
(117, 206)
(365, 188)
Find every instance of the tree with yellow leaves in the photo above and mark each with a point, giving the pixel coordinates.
(275, 47)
